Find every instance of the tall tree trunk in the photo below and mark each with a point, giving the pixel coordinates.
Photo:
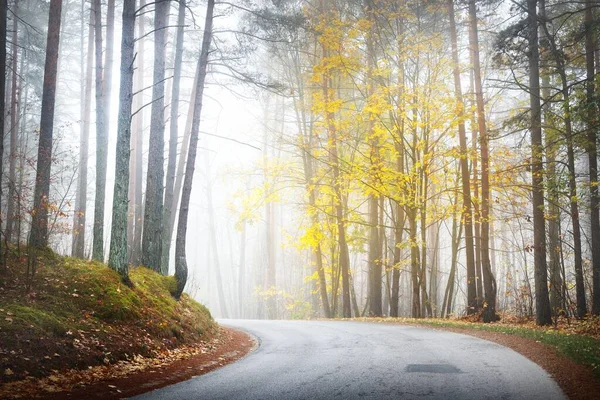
(153, 209)
(464, 164)
(14, 128)
(117, 258)
(489, 282)
(173, 135)
(138, 146)
(179, 176)
(24, 135)
(542, 301)
(476, 194)
(551, 145)
(181, 270)
(573, 199)
(103, 90)
(400, 217)
(3, 22)
(39, 221)
(375, 257)
(592, 151)
(79, 216)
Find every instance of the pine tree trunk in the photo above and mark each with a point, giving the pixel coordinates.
(554, 212)
(103, 90)
(375, 269)
(79, 216)
(138, 147)
(14, 128)
(542, 301)
(489, 282)
(181, 270)
(464, 164)
(399, 145)
(592, 150)
(39, 221)
(117, 259)
(153, 208)
(3, 23)
(173, 136)
(476, 194)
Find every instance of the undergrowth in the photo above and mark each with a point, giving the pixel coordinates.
(76, 313)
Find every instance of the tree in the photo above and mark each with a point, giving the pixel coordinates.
(542, 301)
(79, 216)
(466, 186)
(153, 208)
(489, 281)
(592, 151)
(14, 126)
(3, 21)
(552, 145)
(181, 270)
(103, 90)
(39, 221)
(135, 192)
(117, 259)
(173, 135)
(560, 61)
(375, 256)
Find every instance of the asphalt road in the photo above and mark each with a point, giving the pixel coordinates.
(356, 360)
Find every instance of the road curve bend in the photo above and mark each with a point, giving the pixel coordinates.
(356, 360)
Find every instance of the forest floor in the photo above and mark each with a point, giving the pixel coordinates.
(569, 351)
(76, 331)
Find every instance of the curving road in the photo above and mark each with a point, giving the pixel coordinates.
(356, 360)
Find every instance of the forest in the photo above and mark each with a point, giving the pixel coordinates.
(295, 159)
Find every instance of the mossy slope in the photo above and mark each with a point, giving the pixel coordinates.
(78, 313)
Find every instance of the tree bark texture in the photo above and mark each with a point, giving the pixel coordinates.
(14, 127)
(542, 301)
(173, 136)
(3, 23)
(117, 259)
(153, 208)
(79, 216)
(39, 221)
(489, 281)
(138, 147)
(103, 90)
(592, 151)
(181, 270)
(464, 165)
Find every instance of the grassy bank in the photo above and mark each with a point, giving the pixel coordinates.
(76, 313)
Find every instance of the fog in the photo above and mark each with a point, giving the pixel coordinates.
(319, 119)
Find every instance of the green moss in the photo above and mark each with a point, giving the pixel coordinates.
(68, 293)
(38, 320)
